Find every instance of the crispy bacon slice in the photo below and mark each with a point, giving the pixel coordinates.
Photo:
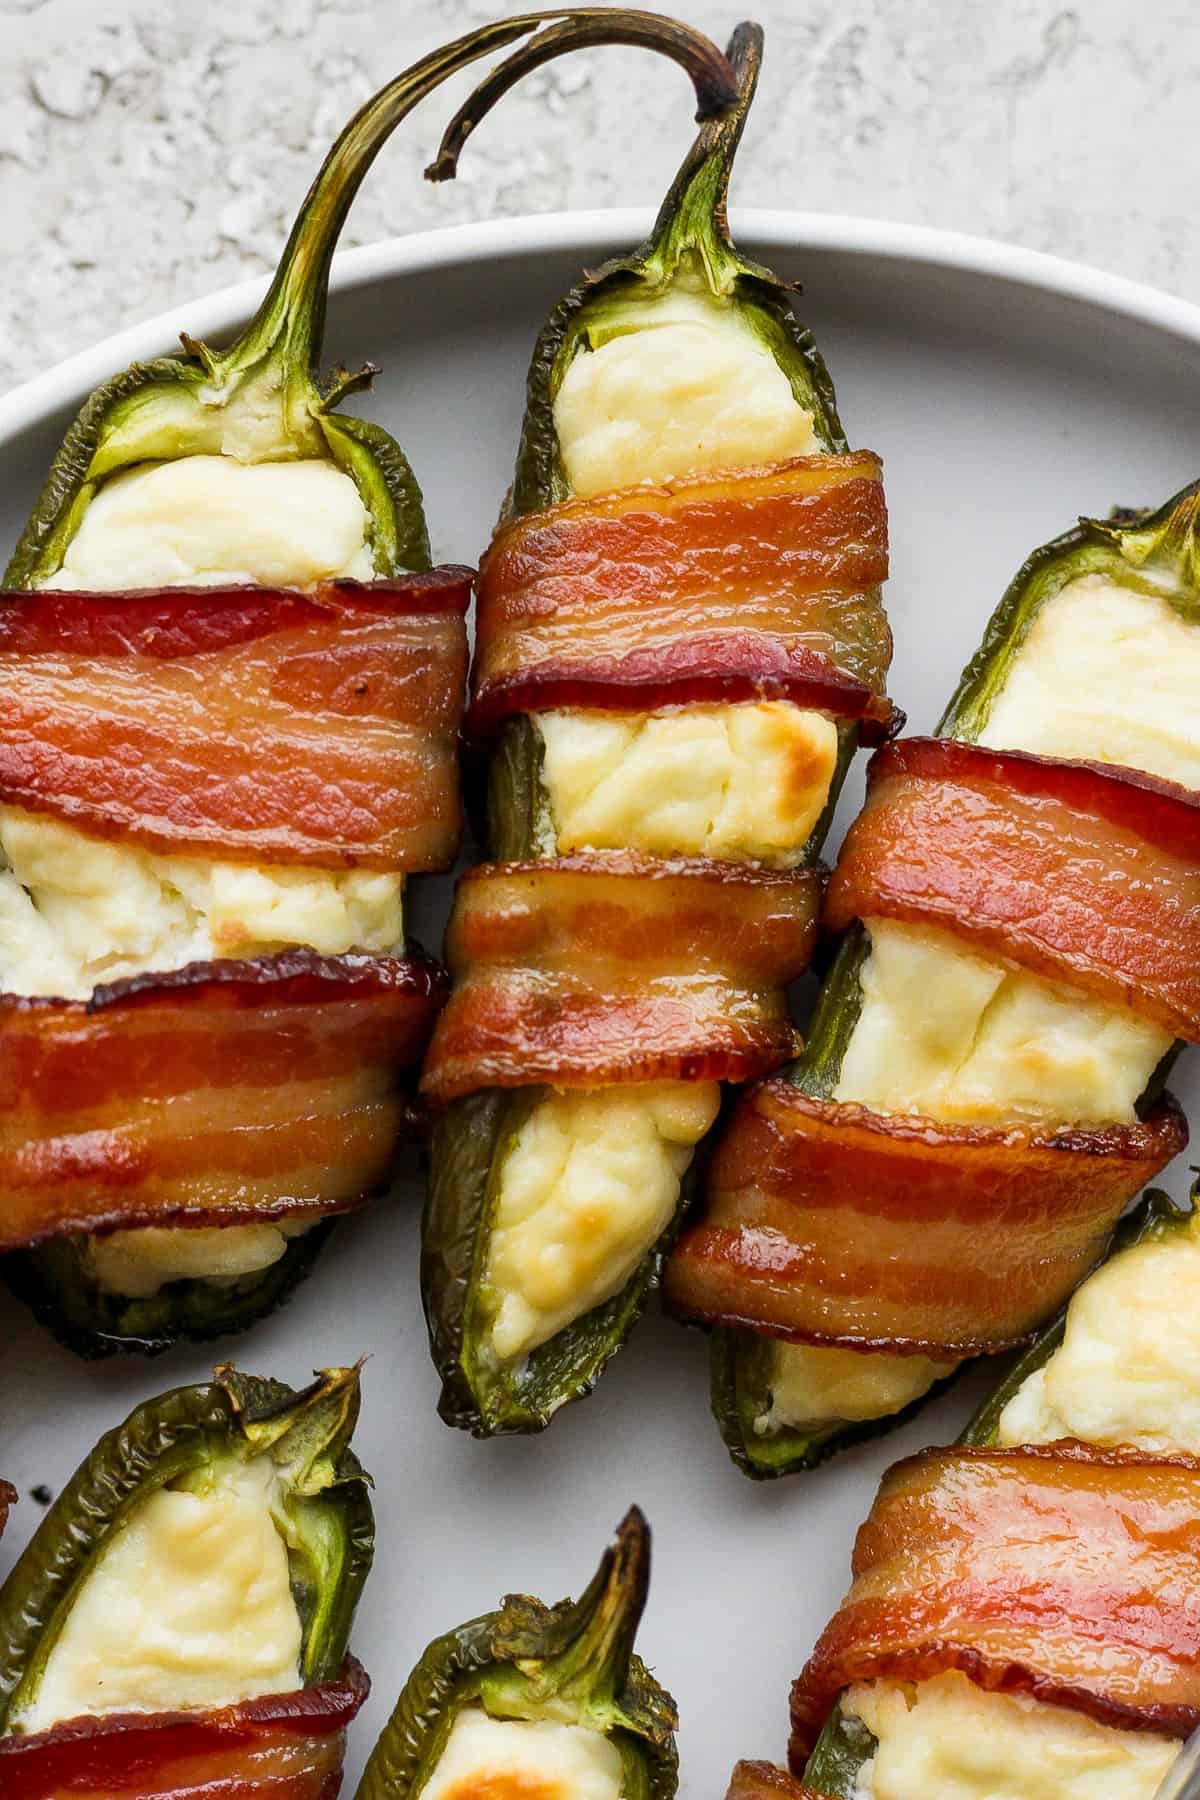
(1080, 872)
(260, 725)
(827, 1223)
(584, 971)
(8, 1497)
(749, 584)
(225, 1092)
(763, 1781)
(1061, 1571)
(284, 1747)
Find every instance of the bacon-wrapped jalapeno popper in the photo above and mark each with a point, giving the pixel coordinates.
(178, 1625)
(1024, 1622)
(981, 1092)
(679, 641)
(232, 694)
(537, 1700)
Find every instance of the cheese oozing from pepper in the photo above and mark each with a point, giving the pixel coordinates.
(948, 1738)
(188, 1605)
(680, 385)
(589, 1186)
(77, 910)
(1128, 1368)
(207, 519)
(819, 1384)
(1109, 673)
(738, 783)
(963, 1038)
(523, 1759)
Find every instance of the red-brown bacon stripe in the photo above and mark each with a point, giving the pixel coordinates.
(752, 584)
(763, 1781)
(223, 1093)
(8, 1497)
(284, 1747)
(1060, 1571)
(827, 1223)
(247, 723)
(583, 971)
(1082, 873)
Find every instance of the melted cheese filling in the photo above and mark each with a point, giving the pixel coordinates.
(683, 387)
(207, 519)
(1108, 673)
(740, 782)
(817, 1384)
(1128, 1368)
(139, 1263)
(589, 1186)
(955, 1036)
(517, 1759)
(189, 1605)
(949, 1739)
(76, 910)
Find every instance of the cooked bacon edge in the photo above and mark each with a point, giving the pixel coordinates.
(225, 1092)
(1060, 1571)
(1079, 872)
(763, 1781)
(754, 583)
(245, 723)
(584, 971)
(286, 1746)
(8, 1497)
(827, 1223)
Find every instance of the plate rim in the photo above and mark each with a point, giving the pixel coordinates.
(580, 232)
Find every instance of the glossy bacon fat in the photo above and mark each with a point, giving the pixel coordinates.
(751, 584)
(584, 971)
(763, 1781)
(1060, 1571)
(227, 1092)
(827, 1223)
(1078, 872)
(284, 1747)
(262, 725)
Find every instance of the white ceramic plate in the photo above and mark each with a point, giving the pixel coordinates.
(1007, 392)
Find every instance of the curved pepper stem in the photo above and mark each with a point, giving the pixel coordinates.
(1164, 542)
(590, 27)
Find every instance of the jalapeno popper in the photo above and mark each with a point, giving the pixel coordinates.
(535, 1699)
(981, 1092)
(1024, 1622)
(178, 1625)
(232, 692)
(679, 641)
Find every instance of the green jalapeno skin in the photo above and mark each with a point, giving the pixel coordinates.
(182, 1434)
(472, 1138)
(54, 1283)
(1129, 548)
(845, 1744)
(573, 1663)
(177, 406)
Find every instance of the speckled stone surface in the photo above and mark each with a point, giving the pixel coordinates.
(156, 149)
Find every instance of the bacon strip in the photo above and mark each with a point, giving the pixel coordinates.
(285, 1747)
(1060, 1571)
(8, 1497)
(763, 1781)
(226, 1092)
(1082, 873)
(584, 971)
(253, 724)
(743, 585)
(827, 1223)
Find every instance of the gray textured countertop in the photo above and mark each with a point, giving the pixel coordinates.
(152, 150)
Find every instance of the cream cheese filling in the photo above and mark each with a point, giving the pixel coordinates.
(523, 1759)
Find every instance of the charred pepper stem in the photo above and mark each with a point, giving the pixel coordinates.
(572, 1663)
(179, 1439)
